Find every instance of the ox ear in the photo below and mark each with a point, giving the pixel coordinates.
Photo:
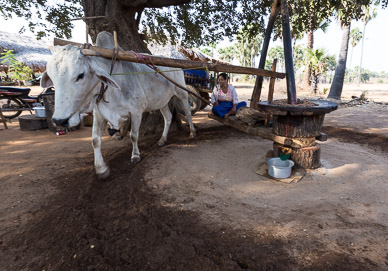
(45, 81)
(103, 75)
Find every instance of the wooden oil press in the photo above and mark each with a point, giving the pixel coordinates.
(296, 124)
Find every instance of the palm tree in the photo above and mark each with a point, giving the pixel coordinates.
(310, 44)
(248, 46)
(316, 20)
(370, 13)
(355, 37)
(227, 53)
(339, 75)
(299, 57)
(317, 60)
(275, 52)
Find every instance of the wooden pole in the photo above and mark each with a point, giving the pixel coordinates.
(272, 82)
(87, 33)
(259, 80)
(271, 89)
(289, 62)
(185, 88)
(115, 40)
(161, 73)
(169, 62)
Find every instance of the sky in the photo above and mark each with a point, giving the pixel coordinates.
(375, 57)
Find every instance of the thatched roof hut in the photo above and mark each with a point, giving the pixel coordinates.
(33, 53)
(179, 52)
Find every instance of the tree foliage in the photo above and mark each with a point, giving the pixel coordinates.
(355, 36)
(228, 53)
(16, 69)
(248, 46)
(318, 60)
(194, 23)
(43, 17)
(275, 52)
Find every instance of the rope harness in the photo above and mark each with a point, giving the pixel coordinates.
(103, 88)
(144, 59)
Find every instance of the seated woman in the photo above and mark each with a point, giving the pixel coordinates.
(224, 98)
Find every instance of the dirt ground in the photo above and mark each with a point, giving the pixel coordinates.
(197, 204)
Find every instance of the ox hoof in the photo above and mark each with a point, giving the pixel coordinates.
(135, 159)
(117, 137)
(103, 175)
(192, 135)
(161, 143)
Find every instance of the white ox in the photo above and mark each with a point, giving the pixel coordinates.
(74, 75)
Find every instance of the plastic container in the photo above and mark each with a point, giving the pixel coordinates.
(40, 111)
(278, 168)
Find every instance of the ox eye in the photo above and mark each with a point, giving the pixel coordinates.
(80, 76)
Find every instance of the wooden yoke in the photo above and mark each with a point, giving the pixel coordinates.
(170, 62)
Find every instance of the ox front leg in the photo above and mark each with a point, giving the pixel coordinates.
(99, 125)
(167, 122)
(135, 126)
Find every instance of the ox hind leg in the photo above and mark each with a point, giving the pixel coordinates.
(99, 125)
(134, 134)
(167, 122)
(185, 104)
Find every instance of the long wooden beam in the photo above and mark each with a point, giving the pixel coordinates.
(263, 55)
(262, 131)
(289, 62)
(169, 62)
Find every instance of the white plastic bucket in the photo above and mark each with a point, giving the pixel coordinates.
(40, 112)
(278, 168)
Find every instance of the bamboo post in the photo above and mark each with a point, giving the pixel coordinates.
(289, 62)
(259, 80)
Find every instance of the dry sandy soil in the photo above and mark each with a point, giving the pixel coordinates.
(197, 204)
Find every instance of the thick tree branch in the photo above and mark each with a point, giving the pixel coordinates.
(165, 3)
(153, 3)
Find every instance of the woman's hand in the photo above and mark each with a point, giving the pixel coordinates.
(216, 103)
(233, 110)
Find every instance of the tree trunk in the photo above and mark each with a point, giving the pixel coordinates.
(125, 21)
(121, 19)
(350, 63)
(298, 126)
(307, 157)
(362, 52)
(314, 84)
(339, 76)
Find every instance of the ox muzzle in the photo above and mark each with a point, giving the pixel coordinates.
(61, 122)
